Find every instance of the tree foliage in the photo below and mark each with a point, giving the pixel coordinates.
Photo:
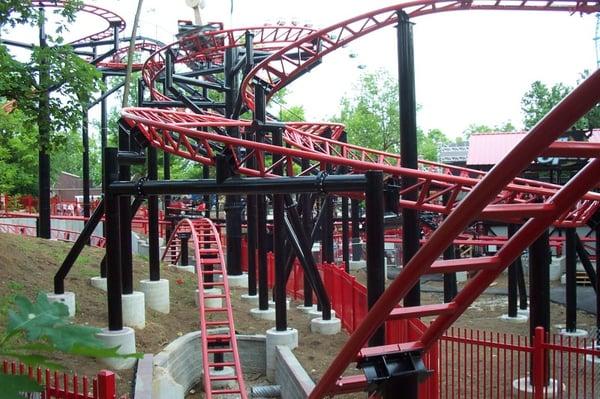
(35, 332)
(372, 118)
(71, 82)
(540, 99)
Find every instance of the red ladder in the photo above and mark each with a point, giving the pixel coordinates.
(425, 261)
(219, 345)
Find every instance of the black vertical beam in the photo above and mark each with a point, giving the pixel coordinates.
(85, 139)
(375, 246)
(539, 288)
(233, 207)
(571, 283)
(167, 198)
(206, 198)
(113, 245)
(103, 145)
(153, 222)
(345, 234)
(355, 216)
(523, 305)
(327, 230)
(44, 127)
(125, 219)
(408, 144)
(251, 232)
(185, 257)
(450, 286)
(260, 114)
(307, 226)
(279, 234)
(513, 277)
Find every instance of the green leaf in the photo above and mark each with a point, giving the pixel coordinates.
(35, 360)
(13, 385)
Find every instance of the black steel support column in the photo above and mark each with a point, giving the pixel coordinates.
(450, 286)
(206, 197)
(307, 225)
(44, 126)
(327, 231)
(167, 198)
(345, 234)
(85, 139)
(185, 257)
(355, 215)
(539, 287)
(113, 244)
(375, 246)
(513, 277)
(523, 305)
(408, 145)
(153, 222)
(125, 219)
(251, 233)
(260, 114)
(571, 283)
(279, 234)
(233, 207)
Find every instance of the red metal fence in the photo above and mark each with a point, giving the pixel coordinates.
(64, 386)
(57, 234)
(476, 364)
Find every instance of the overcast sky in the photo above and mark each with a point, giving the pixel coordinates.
(471, 66)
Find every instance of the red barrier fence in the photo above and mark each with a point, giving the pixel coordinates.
(57, 234)
(479, 364)
(64, 386)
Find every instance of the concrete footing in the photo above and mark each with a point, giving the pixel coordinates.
(134, 311)
(574, 334)
(357, 264)
(319, 313)
(210, 302)
(156, 295)
(518, 319)
(253, 299)
(267, 314)
(326, 327)
(68, 299)
(523, 311)
(240, 281)
(125, 339)
(554, 387)
(188, 268)
(306, 309)
(288, 338)
(287, 304)
(98, 282)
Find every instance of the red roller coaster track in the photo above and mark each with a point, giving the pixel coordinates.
(499, 194)
(216, 323)
(110, 17)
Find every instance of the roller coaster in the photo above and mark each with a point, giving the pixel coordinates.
(263, 156)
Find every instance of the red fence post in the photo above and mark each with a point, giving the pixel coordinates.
(107, 387)
(539, 366)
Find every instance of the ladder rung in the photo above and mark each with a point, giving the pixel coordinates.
(219, 283)
(217, 323)
(216, 310)
(516, 211)
(221, 364)
(220, 350)
(223, 377)
(422, 311)
(218, 337)
(225, 391)
(466, 264)
(214, 296)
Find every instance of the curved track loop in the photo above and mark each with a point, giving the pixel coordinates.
(219, 345)
(209, 47)
(279, 69)
(119, 59)
(180, 133)
(109, 16)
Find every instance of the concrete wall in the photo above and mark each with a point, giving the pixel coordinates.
(179, 366)
(295, 383)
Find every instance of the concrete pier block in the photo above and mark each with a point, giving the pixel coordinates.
(326, 327)
(125, 339)
(98, 282)
(156, 295)
(134, 311)
(288, 338)
(68, 299)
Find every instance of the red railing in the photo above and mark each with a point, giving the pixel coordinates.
(479, 364)
(57, 234)
(65, 386)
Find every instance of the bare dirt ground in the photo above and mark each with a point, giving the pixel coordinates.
(27, 266)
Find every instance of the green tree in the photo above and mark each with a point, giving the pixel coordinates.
(429, 143)
(35, 332)
(68, 80)
(372, 115)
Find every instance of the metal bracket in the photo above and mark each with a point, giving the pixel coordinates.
(385, 371)
(139, 186)
(321, 176)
